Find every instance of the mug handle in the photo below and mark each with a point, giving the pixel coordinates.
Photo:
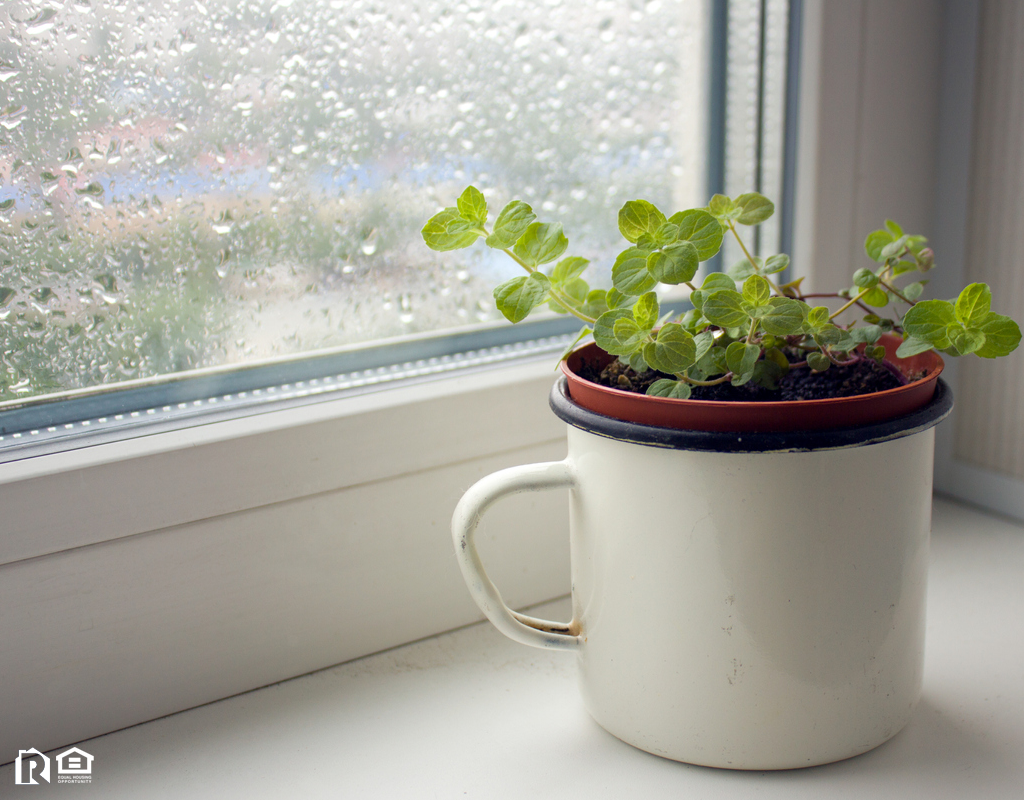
(527, 478)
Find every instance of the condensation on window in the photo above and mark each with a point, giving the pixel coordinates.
(214, 182)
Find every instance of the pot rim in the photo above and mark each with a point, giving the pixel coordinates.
(794, 441)
(766, 417)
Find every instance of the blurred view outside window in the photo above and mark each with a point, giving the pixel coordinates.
(202, 184)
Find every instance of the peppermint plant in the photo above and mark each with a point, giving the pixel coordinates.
(745, 324)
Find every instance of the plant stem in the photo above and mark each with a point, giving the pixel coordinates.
(753, 263)
(898, 293)
(694, 382)
(753, 327)
(847, 305)
(839, 363)
(554, 296)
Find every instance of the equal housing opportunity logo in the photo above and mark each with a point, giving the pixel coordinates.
(73, 766)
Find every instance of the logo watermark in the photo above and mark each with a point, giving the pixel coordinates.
(74, 765)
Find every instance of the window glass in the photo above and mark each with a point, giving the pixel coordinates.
(196, 184)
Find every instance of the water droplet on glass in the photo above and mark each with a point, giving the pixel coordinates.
(223, 224)
(12, 116)
(41, 22)
(7, 71)
(369, 245)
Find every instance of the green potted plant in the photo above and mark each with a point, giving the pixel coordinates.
(750, 481)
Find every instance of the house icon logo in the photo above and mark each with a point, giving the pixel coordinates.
(73, 766)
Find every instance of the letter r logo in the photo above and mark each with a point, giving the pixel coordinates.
(26, 764)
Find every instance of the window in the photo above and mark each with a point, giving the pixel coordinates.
(194, 189)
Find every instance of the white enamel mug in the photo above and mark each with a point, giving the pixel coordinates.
(748, 601)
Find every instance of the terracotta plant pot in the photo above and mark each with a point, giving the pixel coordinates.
(921, 371)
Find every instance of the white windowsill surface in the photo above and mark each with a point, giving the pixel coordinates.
(472, 714)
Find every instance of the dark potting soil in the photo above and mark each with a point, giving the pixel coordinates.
(862, 377)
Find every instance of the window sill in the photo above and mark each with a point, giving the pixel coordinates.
(470, 712)
(147, 576)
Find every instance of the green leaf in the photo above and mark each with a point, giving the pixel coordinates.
(666, 234)
(700, 229)
(756, 290)
(511, 223)
(973, 305)
(912, 291)
(702, 342)
(647, 242)
(697, 298)
(903, 267)
(845, 343)
(541, 243)
(518, 297)
(638, 217)
(964, 339)
(723, 207)
(637, 362)
(894, 229)
(712, 362)
(1002, 335)
(473, 206)
(724, 307)
(911, 346)
(817, 317)
(596, 303)
(828, 335)
(778, 358)
(568, 269)
(616, 298)
(894, 249)
(584, 332)
(718, 280)
(743, 269)
(740, 357)
(767, 373)
(628, 334)
(604, 333)
(875, 242)
(645, 310)
(928, 320)
(673, 351)
(784, 316)
(577, 289)
(865, 279)
(665, 387)
(876, 298)
(818, 361)
(756, 208)
(775, 263)
(447, 230)
(693, 320)
(676, 264)
(630, 274)
(866, 334)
